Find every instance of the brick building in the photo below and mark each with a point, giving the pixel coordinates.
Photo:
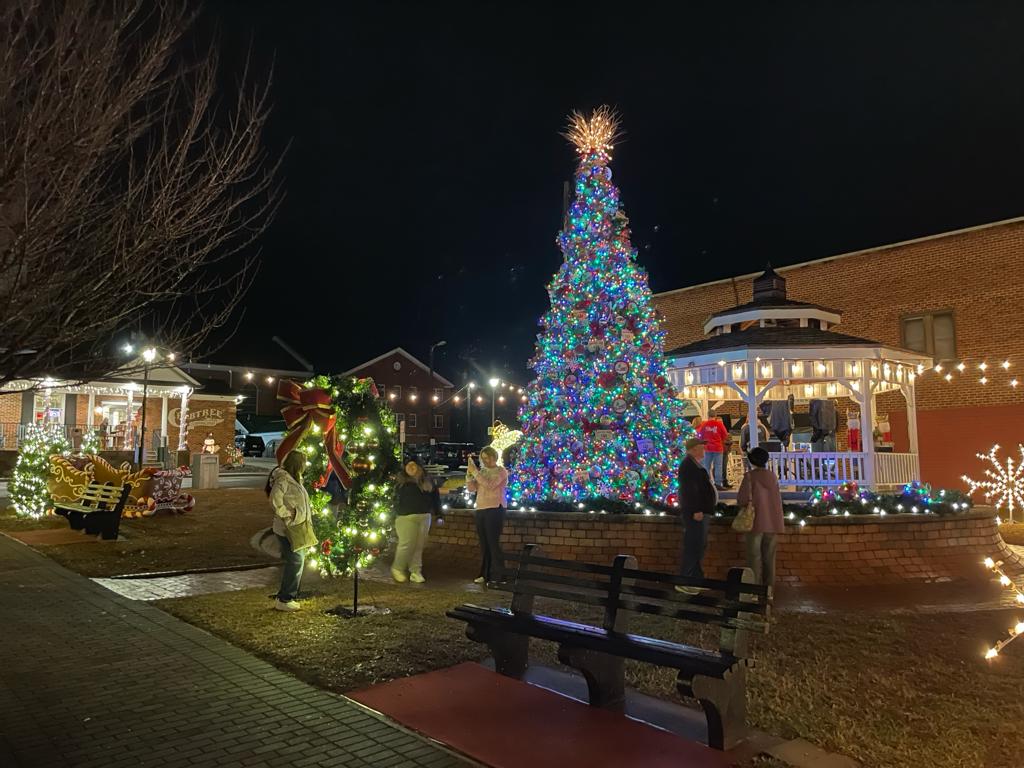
(953, 296)
(424, 405)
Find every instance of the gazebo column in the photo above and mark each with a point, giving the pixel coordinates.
(910, 395)
(867, 423)
(90, 416)
(753, 439)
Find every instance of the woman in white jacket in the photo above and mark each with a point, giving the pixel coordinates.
(291, 505)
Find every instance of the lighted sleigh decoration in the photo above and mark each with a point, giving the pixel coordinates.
(152, 489)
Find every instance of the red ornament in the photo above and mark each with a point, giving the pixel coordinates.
(607, 380)
(326, 546)
(673, 500)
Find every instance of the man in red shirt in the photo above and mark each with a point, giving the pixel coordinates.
(713, 432)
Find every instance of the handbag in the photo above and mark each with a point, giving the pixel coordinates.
(744, 520)
(301, 535)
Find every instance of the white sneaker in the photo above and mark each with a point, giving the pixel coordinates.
(397, 575)
(416, 578)
(288, 607)
(479, 580)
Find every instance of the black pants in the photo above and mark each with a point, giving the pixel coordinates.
(489, 524)
(695, 542)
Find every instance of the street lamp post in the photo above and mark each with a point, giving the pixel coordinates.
(494, 385)
(430, 420)
(148, 356)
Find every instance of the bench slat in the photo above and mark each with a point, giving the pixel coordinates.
(717, 619)
(564, 565)
(721, 603)
(555, 578)
(687, 581)
(659, 652)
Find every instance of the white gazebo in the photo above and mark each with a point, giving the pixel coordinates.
(774, 348)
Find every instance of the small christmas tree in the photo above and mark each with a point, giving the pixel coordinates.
(28, 490)
(344, 428)
(601, 420)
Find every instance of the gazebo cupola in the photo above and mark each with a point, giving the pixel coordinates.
(771, 308)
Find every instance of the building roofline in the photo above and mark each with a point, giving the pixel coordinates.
(861, 252)
(223, 368)
(398, 351)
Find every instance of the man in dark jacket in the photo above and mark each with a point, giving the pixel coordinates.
(697, 500)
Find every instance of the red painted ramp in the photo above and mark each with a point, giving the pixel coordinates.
(506, 723)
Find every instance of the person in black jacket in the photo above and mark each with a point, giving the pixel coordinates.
(697, 500)
(416, 500)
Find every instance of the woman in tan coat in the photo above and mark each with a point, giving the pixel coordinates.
(761, 487)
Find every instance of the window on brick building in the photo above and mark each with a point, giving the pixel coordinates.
(438, 421)
(933, 334)
(397, 391)
(410, 421)
(413, 393)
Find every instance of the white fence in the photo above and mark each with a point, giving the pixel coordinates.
(812, 469)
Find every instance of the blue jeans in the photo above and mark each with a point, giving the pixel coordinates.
(292, 573)
(713, 464)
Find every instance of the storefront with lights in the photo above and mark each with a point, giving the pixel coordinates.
(179, 412)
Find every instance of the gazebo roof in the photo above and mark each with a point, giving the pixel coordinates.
(769, 337)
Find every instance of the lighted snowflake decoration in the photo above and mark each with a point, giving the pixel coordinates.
(1003, 487)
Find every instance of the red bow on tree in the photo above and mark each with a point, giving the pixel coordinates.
(308, 407)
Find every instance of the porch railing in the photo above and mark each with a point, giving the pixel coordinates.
(830, 469)
(13, 433)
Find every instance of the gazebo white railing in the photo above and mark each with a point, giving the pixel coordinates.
(882, 471)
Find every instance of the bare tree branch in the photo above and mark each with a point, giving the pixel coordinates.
(128, 193)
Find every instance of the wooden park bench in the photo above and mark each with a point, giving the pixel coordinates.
(97, 510)
(717, 679)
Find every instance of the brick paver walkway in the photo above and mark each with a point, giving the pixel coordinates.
(91, 679)
(191, 584)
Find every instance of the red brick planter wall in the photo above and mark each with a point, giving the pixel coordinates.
(854, 550)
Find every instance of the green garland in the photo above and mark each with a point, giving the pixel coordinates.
(354, 533)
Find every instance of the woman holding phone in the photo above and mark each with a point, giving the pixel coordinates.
(489, 481)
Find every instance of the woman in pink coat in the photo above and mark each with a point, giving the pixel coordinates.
(761, 487)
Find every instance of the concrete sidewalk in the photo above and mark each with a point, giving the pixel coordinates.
(91, 679)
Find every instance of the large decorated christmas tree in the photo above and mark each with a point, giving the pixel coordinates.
(349, 437)
(601, 420)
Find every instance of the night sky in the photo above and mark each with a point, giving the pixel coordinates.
(424, 178)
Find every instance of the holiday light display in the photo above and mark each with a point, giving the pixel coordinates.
(344, 428)
(29, 494)
(601, 419)
(1018, 627)
(90, 443)
(1005, 485)
(503, 438)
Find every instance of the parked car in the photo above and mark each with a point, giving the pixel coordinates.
(453, 455)
(253, 446)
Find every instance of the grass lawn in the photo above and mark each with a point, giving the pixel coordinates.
(215, 533)
(885, 690)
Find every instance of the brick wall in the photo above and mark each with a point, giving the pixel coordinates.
(856, 550)
(10, 408)
(977, 274)
(407, 375)
(223, 431)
